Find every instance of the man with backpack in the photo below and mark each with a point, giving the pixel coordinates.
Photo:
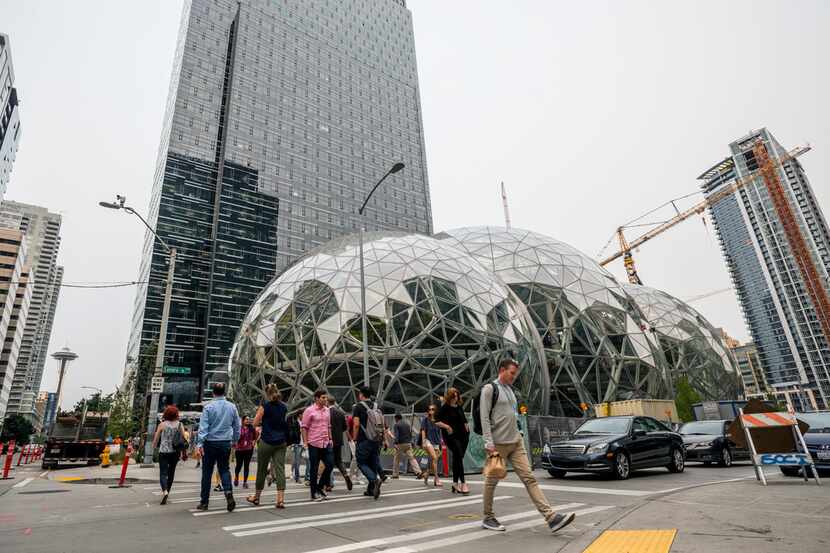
(498, 418)
(367, 432)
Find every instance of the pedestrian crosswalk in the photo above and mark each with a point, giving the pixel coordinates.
(303, 515)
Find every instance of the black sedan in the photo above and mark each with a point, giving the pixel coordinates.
(616, 446)
(817, 439)
(708, 442)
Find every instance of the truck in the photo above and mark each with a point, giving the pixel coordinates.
(74, 441)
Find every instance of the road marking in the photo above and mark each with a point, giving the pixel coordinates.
(471, 536)
(633, 541)
(304, 502)
(382, 542)
(196, 497)
(349, 517)
(698, 484)
(42, 474)
(575, 489)
(22, 483)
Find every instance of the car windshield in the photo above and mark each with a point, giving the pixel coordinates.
(702, 427)
(819, 422)
(605, 426)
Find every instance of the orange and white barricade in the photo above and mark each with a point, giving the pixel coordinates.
(757, 425)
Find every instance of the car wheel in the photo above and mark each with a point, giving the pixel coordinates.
(725, 458)
(622, 466)
(557, 473)
(678, 463)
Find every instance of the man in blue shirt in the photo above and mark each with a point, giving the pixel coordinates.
(218, 429)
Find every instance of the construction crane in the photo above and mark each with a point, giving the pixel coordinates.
(767, 168)
(504, 204)
(708, 295)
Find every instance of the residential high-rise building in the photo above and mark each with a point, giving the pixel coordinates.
(792, 346)
(752, 374)
(50, 412)
(9, 114)
(281, 118)
(13, 274)
(42, 231)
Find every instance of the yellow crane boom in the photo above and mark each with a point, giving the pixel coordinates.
(737, 184)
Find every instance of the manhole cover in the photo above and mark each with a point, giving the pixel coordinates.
(466, 516)
(108, 481)
(42, 491)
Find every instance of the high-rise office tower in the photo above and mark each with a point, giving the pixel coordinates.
(9, 114)
(281, 117)
(13, 309)
(42, 231)
(768, 270)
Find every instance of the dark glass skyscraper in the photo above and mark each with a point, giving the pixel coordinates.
(281, 117)
(792, 347)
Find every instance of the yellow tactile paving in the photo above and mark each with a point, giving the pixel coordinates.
(633, 541)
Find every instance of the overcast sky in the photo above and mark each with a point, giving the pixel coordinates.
(591, 112)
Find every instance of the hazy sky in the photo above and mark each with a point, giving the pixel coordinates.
(591, 112)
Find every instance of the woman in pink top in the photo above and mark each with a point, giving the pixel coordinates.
(316, 428)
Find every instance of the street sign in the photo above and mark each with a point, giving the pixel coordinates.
(169, 369)
(156, 384)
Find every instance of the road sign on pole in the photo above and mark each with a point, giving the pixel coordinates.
(156, 384)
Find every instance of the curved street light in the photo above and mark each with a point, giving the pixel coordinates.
(395, 168)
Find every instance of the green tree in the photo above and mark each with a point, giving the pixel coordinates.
(685, 396)
(121, 421)
(18, 428)
(96, 403)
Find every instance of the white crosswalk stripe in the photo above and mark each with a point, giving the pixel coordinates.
(308, 502)
(478, 535)
(383, 542)
(573, 489)
(236, 493)
(294, 524)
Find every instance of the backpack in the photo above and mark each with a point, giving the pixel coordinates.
(179, 442)
(477, 407)
(293, 437)
(374, 423)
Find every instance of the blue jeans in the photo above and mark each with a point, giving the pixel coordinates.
(315, 455)
(218, 454)
(296, 460)
(368, 460)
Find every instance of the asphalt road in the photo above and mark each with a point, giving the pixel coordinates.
(50, 512)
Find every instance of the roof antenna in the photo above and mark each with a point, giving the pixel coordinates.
(504, 203)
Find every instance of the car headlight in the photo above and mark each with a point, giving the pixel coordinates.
(598, 448)
(546, 449)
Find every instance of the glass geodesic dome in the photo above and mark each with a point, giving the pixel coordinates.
(436, 318)
(691, 346)
(594, 343)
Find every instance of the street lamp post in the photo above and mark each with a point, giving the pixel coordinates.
(395, 168)
(152, 418)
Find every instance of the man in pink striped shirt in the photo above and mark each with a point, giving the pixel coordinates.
(316, 428)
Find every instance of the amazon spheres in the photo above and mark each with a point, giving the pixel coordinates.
(445, 310)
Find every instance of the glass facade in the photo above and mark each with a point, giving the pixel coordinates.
(281, 117)
(791, 346)
(435, 319)
(9, 115)
(443, 311)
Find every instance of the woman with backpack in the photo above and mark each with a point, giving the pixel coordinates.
(244, 450)
(270, 418)
(171, 441)
(453, 423)
(430, 440)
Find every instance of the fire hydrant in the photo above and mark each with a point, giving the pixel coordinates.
(105, 457)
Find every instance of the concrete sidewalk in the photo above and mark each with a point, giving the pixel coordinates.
(787, 515)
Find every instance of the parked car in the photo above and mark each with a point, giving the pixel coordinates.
(817, 439)
(708, 442)
(616, 446)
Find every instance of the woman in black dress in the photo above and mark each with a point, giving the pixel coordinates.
(453, 423)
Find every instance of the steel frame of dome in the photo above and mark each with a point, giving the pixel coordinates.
(436, 319)
(593, 341)
(691, 345)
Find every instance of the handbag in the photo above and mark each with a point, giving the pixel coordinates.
(495, 467)
(179, 442)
